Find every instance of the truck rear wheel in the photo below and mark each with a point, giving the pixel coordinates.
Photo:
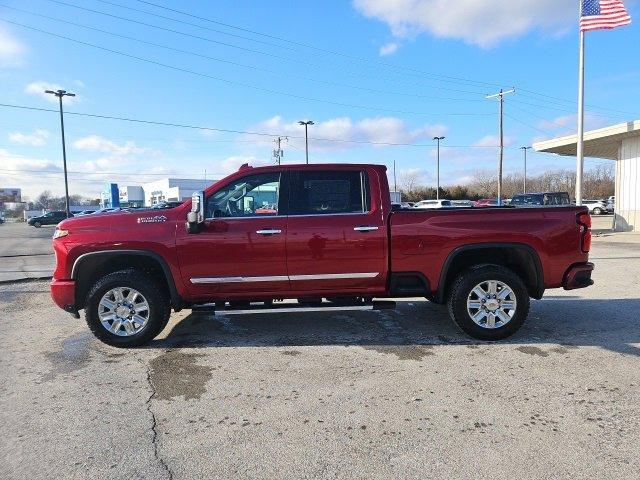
(126, 309)
(488, 302)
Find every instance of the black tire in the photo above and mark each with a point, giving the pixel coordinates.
(464, 284)
(159, 308)
(597, 211)
(37, 224)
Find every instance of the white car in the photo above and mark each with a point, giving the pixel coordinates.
(433, 204)
(596, 207)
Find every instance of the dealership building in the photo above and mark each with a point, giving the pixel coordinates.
(621, 144)
(152, 193)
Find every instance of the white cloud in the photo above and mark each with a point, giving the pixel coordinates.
(11, 50)
(38, 89)
(33, 175)
(493, 141)
(480, 22)
(96, 143)
(388, 49)
(36, 139)
(232, 164)
(347, 132)
(567, 124)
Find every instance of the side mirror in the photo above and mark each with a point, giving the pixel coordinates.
(195, 218)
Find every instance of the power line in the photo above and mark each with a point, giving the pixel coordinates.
(333, 52)
(533, 94)
(224, 130)
(90, 174)
(551, 107)
(296, 61)
(528, 125)
(242, 84)
(238, 64)
(437, 76)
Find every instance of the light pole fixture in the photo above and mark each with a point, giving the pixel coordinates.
(524, 182)
(60, 94)
(438, 168)
(306, 124)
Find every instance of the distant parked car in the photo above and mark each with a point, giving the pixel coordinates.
(611, 204)
(50, 218)
(461, 203)
(541, 199)
(1, 220)
(486, 202)
(596, 207)
(433, 204)
(107, 210)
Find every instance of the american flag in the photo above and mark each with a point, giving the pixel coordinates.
(603, 14)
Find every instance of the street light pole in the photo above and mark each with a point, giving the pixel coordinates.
(306, 136)
(524, 182)
(60, 94)
(438, 168)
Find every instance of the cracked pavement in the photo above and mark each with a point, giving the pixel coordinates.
(393, 394)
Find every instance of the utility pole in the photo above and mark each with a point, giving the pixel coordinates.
(501, 95)
(524, 182)
(438, 168)
(306, 124)
(395, 181)
(278, 153)
(60, 94)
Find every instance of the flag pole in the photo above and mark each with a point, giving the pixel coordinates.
(580, 144)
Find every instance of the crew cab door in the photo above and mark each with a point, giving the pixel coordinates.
(241, 247)
(336, 236)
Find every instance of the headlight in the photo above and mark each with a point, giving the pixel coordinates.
(58, 233)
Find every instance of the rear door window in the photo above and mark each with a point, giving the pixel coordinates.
(325, 192)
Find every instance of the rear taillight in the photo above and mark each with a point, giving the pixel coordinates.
(584, 221)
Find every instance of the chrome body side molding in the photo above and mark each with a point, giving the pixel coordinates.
(284, 278)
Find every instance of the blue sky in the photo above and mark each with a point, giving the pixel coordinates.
(369, 71)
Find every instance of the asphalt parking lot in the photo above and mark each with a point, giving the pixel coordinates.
(393, 394)
(25, 252)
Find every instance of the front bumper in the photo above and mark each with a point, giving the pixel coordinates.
(578, 276)
(63, 293)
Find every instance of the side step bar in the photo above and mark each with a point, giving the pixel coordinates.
(295, 307)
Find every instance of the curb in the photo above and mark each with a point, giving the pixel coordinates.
(25, 280)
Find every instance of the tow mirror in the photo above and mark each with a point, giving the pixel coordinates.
(195, 218)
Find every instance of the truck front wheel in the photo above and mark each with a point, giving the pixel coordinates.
(126, 309)
(488, 302)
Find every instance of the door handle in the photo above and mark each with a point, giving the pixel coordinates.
(365, 228)
(268, 232)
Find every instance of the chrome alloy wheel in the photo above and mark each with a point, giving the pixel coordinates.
(491, 304)
(123, 311)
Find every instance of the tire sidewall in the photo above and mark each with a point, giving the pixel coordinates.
(158, 307)
(467, 281)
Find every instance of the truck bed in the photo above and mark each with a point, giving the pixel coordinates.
(424, 240)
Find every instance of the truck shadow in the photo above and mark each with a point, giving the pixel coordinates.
(568, 321)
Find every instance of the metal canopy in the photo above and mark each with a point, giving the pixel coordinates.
(601, 143)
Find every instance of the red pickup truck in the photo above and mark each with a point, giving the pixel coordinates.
(323, 234)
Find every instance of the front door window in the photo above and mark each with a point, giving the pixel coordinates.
(250, 196)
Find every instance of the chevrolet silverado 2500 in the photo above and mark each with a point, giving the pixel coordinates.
(313, 232)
